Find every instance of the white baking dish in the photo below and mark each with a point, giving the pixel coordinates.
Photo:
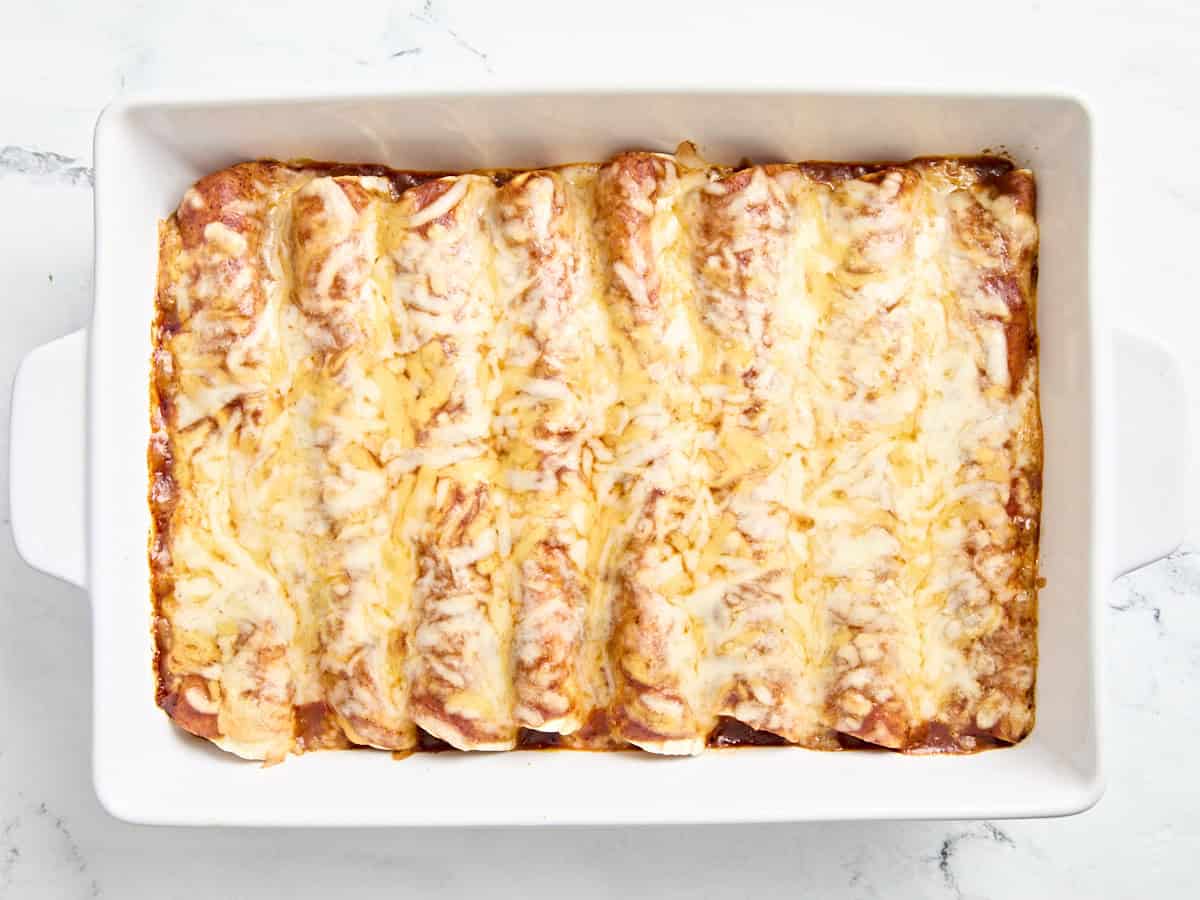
(148, 152)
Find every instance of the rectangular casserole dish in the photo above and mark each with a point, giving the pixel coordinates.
(149, 151)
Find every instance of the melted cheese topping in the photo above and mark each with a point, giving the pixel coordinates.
(609, 452)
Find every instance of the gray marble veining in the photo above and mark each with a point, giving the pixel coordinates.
(44, 165)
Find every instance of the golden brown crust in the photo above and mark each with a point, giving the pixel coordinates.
(325, 291)
(317, 728)
(650, 704)
(627, 190)
(252, 243)
(992, 224)
(546, 683)
(211, 371)
(456, 647)
(163, 492)
(547, 346)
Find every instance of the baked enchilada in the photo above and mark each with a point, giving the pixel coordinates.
(649, 453)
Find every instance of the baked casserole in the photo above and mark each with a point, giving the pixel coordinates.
(650, 453)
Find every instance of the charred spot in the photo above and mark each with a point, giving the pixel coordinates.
(850, 742)
(427, 743)
(1020, 186)
(834, 172)
(501, 177)
(528, 739)
(729, 732)
(400, 179)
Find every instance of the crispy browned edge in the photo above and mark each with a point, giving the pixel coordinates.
(1025, 503)
(163, 490)
(997, 171)
(1025, 499)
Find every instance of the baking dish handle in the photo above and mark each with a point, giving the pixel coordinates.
(1152, 451)
(46, 457)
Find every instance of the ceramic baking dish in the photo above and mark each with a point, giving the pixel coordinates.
(72, 443)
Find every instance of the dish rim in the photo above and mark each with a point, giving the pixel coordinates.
(1085, 791)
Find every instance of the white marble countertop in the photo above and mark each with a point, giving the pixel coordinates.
(1136, 63)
